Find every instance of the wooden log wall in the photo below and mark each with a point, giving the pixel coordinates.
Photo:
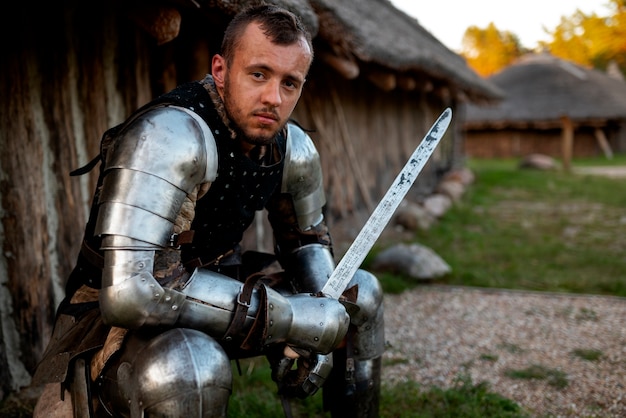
(65, 79)
(509, 143)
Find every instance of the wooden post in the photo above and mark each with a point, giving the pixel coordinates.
(567, 143)
(604, 143)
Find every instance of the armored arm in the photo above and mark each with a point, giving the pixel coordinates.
(135, 299)
(304, 249)
(303, 242)
(161, 158)
(157, 160)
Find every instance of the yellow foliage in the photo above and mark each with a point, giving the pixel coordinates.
(489, 50)
(592, 40)
(589, 40)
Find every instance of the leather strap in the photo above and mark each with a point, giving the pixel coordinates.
(97, 260)
(92, 255)
(243, 304)
(198, 262)
(284, 400)
(185, 237)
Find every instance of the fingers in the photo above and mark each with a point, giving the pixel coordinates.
(290, 352)
(281, 368)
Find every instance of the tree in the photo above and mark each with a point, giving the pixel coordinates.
(592, 40)
(489, 50)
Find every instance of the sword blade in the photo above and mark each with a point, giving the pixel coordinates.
(352, 259)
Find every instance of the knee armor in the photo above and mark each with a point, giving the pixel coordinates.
(179, 373)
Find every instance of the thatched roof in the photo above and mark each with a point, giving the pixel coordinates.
(230, 7)
(375, 32)
(541, 88)
(372, 38)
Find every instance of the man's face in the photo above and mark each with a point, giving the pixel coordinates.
(262, 85)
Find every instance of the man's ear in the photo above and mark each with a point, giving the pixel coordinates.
(218, 70)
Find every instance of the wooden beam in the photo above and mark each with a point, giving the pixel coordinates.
(604, 143)
(567, 142)
(444, 93)
(406, 82)
(384, 80)
(161, 22)
(346, 67)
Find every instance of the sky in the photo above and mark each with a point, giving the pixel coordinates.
(447, 20)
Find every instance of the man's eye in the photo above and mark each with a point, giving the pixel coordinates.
(290, 84)
(257, 75)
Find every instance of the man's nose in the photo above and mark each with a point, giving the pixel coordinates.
(271, 94)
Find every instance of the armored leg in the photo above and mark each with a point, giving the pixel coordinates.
(179, 373)
(353, 388)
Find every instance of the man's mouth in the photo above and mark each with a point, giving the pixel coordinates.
(266, 118)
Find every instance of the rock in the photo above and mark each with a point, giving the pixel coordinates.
(453, 189)
(437, 204)
(464, 175)
(413, 216)
(538, 162)
(412, 260)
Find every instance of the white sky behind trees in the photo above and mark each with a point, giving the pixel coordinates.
(447, 20)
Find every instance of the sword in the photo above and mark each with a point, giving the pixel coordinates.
(352, 259)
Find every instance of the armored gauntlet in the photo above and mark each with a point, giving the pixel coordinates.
(305, 379)
(303, 320)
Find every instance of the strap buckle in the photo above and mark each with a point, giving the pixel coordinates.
(241, 302)
(185, 237)
(174, 241)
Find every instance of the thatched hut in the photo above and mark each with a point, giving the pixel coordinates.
(551, 107)
(71, 69)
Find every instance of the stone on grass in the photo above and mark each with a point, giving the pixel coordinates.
(464, 175)
(538, 162)
(412, 260)
(437, 204)
(453, 189)
(413, 216)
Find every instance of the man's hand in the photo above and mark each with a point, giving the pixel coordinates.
(306, 378)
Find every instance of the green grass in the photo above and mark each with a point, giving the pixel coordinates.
(588, 354)
(254, 395)
(553, 377)
(535, 230)
(464, 400)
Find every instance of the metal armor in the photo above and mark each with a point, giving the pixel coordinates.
(207, 301)
(177, 373)
(302, 178)
(352, 389)
(352, 385)
(163, 155)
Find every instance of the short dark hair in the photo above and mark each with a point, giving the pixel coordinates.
(280, 25)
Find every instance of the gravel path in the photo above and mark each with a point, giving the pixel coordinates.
(436, 334)
(616, 172)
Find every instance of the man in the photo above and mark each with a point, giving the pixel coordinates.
(161, 298)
